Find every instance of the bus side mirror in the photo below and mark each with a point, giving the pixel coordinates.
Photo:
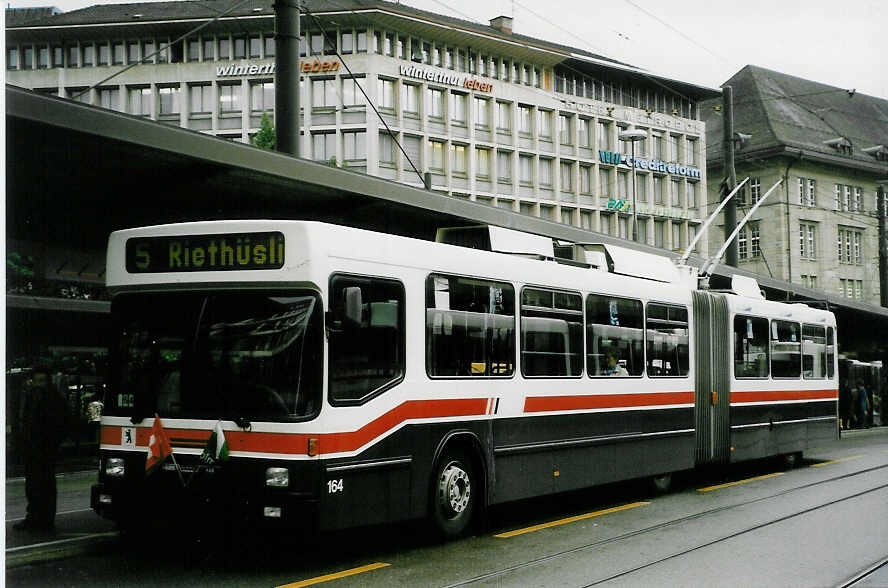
(353, 305)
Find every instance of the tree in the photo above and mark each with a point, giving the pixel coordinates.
(265, 138)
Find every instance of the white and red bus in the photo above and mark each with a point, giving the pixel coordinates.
(364, 378)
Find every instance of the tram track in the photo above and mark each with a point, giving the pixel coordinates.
(680, 520)
(863, 574)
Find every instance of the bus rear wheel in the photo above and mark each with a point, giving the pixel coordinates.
(453, 494)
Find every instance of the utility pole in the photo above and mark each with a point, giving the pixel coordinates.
(883, 249)
(286, 76)
(731, 208)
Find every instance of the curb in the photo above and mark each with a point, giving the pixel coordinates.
(61, 549)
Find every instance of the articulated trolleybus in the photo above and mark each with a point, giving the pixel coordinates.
(362, 378)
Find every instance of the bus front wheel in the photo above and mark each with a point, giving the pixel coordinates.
(454, 494)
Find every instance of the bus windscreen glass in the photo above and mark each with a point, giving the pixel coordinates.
(248, 355)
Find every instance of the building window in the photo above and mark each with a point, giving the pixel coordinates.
(754, 239)
(676, 193)
(269, 44)
(545, 172)
(354, 145)
(436, 104)
(224, 48)
(567, 176)
(402, 47)
(659, 233)
(850, 246)
(385, 90)
(386, 150)
(742, 250)
(641, 181)
(351, 92)
(585, 179)
(482, 113)
(656, 146)
(58, 56)
(545, 124)
(691, 147)
(807, 192)
(604, 181)
(483, 163)
(255, 46)
(229, 98)
(12, 58)
(503, 116)
(623, 185)
(564, 129)
(525, 163)
(755, 190)
(240, 48)
(567, 216)
(109, 98)
(676, 236)
(410, 97)
(201, 99)
(692, 194)
(858, 199)
(807, 234)
(525, 114)
(169, 100)
(140, 101)
(604, 138)
(858, 289)
(692, 234)
(458, 160)
(209, 49)
(104, 55)
(585, 133)
(73, 53)
(323, 94)
(88, 53)
(437, 156)
(504, 166)
(458, 109)
(658, 190)
(323, 146)
(262, 97)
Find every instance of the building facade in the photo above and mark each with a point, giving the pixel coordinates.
(496, 117)
(819, 228)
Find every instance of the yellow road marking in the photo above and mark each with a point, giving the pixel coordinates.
(570, 520)
(820, 465)
(720, 486)
(336, 576)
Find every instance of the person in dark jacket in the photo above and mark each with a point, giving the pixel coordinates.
(42, 428)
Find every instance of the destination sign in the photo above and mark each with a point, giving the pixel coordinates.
(205, 253)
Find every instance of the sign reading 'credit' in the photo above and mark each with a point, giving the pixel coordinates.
(205, 253)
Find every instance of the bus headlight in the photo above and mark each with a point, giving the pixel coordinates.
(277, 477)
(115, 467)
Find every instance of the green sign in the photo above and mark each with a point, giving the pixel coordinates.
(205, 253)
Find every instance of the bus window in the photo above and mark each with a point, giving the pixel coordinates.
(551, 333)
(366, 352)
(813, 352)
(614, 336)
(667, 340)
(470, 327)
(830, 354)
(750, 347)
(785, 350)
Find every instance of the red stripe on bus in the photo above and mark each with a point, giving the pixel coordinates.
(292, 443)
(553, 403)
(776, 395)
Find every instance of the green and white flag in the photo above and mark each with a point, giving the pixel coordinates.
(217, 447)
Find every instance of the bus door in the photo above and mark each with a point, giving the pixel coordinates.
(712, 355)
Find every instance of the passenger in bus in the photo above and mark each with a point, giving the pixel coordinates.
(613, 365)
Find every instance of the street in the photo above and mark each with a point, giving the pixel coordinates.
(822, 523)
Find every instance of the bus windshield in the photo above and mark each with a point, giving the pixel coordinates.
(230, 355)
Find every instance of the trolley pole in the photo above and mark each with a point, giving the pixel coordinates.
(728, 137)
(286, 76)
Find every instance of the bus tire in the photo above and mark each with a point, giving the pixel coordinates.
(454, 494)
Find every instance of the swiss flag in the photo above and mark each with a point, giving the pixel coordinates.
(158, 446)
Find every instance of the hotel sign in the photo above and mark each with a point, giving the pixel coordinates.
(252, 69)
(445, 77)
(649, 164)
(635, 115)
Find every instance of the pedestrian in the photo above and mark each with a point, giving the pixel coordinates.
(845, 405)
(42, 429)
(863, 398)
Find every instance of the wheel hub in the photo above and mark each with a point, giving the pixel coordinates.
(454, 489)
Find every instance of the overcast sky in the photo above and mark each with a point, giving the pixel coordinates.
(701, 41)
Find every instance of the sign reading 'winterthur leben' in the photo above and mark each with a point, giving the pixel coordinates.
(649, 164)
(205, 253)
(445, 77)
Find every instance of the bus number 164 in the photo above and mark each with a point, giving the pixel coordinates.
(334, 486)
